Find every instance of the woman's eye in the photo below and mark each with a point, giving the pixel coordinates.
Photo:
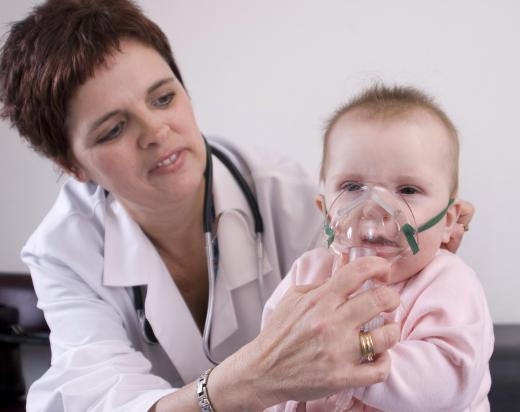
(164, 100)
(408, 190)
(112, 133)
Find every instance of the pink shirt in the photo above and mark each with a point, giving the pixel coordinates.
(442, 360)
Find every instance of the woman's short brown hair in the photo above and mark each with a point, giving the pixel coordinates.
(56, 49)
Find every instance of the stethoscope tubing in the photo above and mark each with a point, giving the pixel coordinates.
(206, 333)
(207, 220)
(208, 237)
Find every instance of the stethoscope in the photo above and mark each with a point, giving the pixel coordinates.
(211, 248)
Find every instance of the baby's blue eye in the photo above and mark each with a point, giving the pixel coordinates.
(352, 187)
(164, 100)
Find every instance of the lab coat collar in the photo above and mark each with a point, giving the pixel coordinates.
(131, 260)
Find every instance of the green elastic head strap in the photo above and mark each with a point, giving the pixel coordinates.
(329, 232)
(326, 227)
(410, 232)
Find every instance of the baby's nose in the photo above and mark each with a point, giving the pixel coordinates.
(374, 211)
(377, 223)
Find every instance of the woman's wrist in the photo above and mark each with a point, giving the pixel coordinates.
(183, 399)
(233, 385)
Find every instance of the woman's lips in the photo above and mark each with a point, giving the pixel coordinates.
(169, 163)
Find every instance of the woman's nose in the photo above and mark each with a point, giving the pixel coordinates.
(153, 132)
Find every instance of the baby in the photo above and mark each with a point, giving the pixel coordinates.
(390, 178)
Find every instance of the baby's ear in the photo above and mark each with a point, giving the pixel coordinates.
(452, 216)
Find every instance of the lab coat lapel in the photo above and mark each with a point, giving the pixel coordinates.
(131, 259)
(174, 326)
(237, 250)
(129, 254)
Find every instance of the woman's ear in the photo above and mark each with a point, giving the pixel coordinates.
(80, 175)
(452, 217)
(73, 169)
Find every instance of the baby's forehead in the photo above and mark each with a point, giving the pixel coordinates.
(363, 120)
(388, 116)
(402, 129)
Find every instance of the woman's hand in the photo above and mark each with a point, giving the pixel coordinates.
(466, 214)
(310, 346)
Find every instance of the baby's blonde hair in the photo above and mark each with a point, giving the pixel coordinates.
(381, 101)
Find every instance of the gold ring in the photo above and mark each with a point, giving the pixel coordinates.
(367, 347)
(466, 228)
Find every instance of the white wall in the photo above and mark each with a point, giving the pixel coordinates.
(269, 72)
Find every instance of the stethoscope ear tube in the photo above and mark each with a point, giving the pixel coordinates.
(244, 187)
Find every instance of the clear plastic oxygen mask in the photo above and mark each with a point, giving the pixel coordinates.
(370, 216)
(366, 219)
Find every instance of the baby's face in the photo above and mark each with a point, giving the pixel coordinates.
(410, 156)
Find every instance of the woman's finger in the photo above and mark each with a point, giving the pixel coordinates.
(365, 306)
(467, 210)
(349, 278)
(302, 289)
(370, 373)
(385, 337)
(301, 407)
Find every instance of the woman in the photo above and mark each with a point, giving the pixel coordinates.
(93, 86)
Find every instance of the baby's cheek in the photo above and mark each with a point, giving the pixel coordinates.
(403, 269)
(429, 243)
(409, 266)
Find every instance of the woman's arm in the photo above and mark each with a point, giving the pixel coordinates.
(298, 354)
(94, 365)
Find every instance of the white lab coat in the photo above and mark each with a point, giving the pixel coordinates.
(88, 253)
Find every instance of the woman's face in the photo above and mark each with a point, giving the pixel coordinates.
(133, 131)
